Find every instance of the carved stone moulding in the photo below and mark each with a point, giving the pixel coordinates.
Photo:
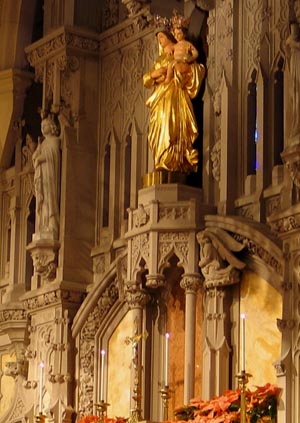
(70, 40)
(287, 222)
(155, 281)
(14, 322)
(140, 21)
(56, 295)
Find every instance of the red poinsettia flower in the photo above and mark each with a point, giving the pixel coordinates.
(89, 419)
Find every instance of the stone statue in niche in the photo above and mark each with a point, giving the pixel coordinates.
(28, 150)
(172, 125)
(46, 163)
(293, 47)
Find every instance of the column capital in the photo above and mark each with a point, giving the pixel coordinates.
(191, 282)
(135, 296)
(155, 281)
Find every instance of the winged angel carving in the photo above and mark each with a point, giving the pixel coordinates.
(218, 264)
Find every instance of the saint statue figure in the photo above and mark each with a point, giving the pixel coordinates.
(46, 163)
(172, 124)
(293, 45)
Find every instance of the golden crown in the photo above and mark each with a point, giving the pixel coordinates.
(179, 21)
(161, 23)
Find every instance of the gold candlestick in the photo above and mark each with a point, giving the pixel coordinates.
(40, 418)
(243, 379)
(102, 410)
(165, 396)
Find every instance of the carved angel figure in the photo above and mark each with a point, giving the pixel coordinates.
(218, 264)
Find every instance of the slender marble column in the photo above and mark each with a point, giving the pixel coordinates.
(190, 283)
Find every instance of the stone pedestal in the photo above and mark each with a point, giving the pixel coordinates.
(165, 225)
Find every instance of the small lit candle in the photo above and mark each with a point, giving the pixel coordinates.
(243, 341)
(167, 360)
(102, 376)
(41, 365)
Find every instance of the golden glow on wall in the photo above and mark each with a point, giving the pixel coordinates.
(7, 385)
(119, 361)
(262, 305)
(175, 326)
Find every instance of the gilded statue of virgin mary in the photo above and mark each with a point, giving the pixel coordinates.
(172, 125)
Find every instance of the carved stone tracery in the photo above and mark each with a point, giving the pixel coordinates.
(87, 346)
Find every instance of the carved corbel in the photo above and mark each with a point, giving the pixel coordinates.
(44, 256)
(16, 368)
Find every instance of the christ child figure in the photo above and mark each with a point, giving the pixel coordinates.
(184, 53)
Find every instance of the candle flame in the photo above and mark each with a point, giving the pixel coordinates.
(102, 352)
(243, 316)
(167, 335)
(42, 364)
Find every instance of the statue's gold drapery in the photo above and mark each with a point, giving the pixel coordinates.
(172, 125)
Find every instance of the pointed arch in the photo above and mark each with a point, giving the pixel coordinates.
(252, 123)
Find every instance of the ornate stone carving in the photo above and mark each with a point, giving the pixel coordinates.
(99, 264)
(133, 6)
(259, 251)
(174, 213)
(155, 281)
(54, 297)
(12, 315)
(215, 157)
(218, 265)
(140, 217)
(272, 205)
(136, 297)
(285, 224)
(16, 368)
(111, 13)
(291, 159)
(139, 23)
(66, 39)
(19, 409)
(87, 347)
(246, 211)
(140, 249)
(171, 241)
(44, 257)
(190, 283)
(27, 151)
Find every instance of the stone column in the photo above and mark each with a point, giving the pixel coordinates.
(190, 283)
(136, 298)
